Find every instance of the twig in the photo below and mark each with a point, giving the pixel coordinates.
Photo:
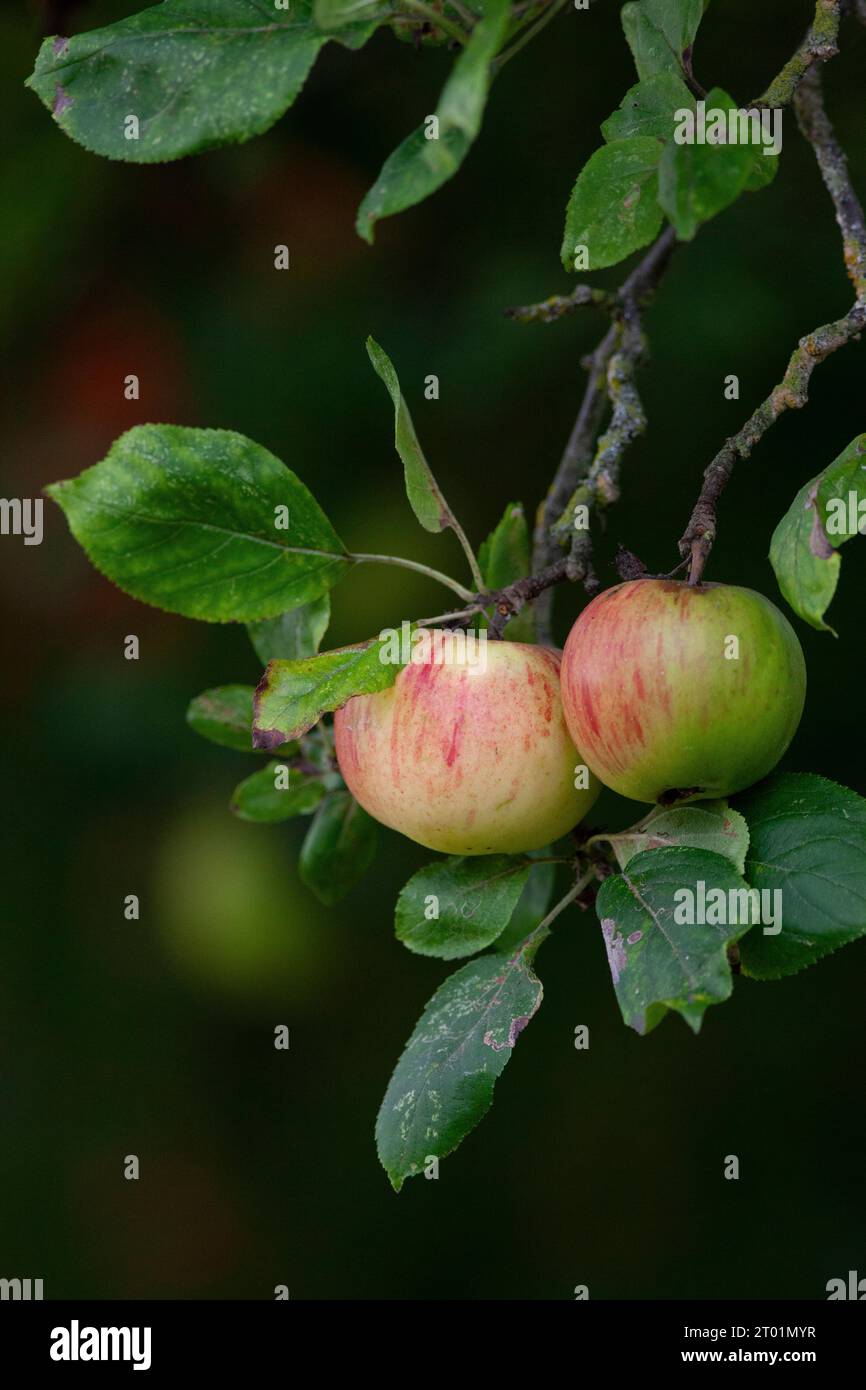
(818, 46)
(815, 125)
(611, 377)
(558, 305)
(793, 390)
(600, 487)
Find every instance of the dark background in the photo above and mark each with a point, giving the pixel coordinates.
(156, 1037)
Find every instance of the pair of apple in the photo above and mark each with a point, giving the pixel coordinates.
(665, 692)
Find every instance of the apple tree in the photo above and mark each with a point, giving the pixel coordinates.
(677, 691)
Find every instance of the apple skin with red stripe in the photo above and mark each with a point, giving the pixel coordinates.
(665, 706)
(465, 757)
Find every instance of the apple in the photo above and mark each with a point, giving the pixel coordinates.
(468, 756)
(678, 693)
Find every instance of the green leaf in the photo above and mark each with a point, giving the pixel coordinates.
(659, 959)
(443, 1083)
(420, 165)
(648, 108)
(276, 793)
(763, 171)
(697, 181)
(224, 715)
(825, 513)
(808, 842)
(185, 519)
(458, 906)
(194, 73)
(651, 52)
(532, 906)
(659, 32)
(708, 825)
(422, 489)
(292, 696)
(292, 635)
(339, 847)
(613, 208)
(504, 558)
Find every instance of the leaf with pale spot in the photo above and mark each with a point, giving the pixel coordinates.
(443, 1083)
(656, 961)
(613, 209)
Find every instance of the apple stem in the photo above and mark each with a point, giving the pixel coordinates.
(535, 938)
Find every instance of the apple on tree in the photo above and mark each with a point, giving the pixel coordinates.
(467, 757)
(677, 692)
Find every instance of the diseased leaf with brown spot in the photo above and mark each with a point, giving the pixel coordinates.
(443, 1084)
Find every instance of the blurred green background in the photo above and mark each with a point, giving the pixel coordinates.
(156, 1037)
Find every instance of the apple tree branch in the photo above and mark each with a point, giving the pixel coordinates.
(792, 392)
